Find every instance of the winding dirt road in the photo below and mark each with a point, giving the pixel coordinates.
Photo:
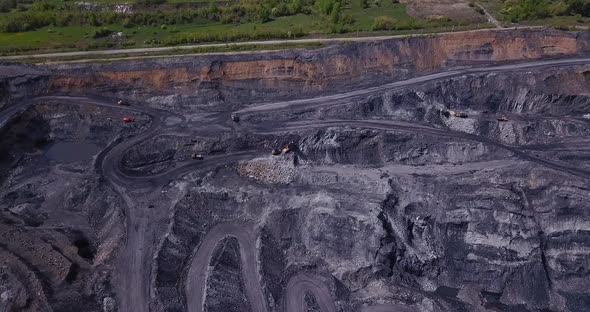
(303, 282)
(197, 275)
(109, 163)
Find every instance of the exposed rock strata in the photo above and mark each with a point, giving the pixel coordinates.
(452, 218)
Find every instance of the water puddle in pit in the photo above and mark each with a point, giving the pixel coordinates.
(171, 121)
(67, 152)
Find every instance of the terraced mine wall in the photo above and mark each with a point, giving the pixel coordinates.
(253, 77)
(386, 201)
(20, 81)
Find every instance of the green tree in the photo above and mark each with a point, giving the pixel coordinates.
(335, 14)
(213, 9)
(518, 10)
(326, 6)
(264, 14)
(364, 3)
(93, 20)
(281, 10)
(347, 19)
(127, 23)
(383, 23)
(296, 6)
(575, 6)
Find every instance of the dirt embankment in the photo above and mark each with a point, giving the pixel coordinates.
(245, 78)
(19, 81)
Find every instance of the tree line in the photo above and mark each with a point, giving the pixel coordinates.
(520, 10)
(71, 15)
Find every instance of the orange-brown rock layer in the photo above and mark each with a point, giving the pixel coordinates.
(245, 77)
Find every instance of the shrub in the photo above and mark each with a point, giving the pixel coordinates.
(335, 14)
(383, 23)
(558, 8)
(199, 37)
(326, 6)
(364, 3)
(213, 9)
(229, 18)
(127, 23)
(281, 10)
(264, 14)
(296, 6)
(347, 19)
(338, 29)
(517, 10)
(101, 33)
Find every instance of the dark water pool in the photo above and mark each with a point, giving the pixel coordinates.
(67, 152)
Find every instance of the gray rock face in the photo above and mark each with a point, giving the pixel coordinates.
(311, 304)
(405, 198)
(225, 287)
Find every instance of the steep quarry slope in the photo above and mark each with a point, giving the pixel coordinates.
(394, 195)
(212, 81)
(61, 225)
(437, 221)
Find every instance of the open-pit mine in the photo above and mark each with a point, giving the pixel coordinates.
(443, 172)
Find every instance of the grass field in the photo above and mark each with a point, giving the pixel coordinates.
(80, 38)
(566, 22)
(359, 21)
(203, 50)
(364, 17)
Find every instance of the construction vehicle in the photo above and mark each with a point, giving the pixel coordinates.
(235, 118)
(197, 156)
(128, 119)
(275, 152)
(503, 118)
(121, 102)
(287, 149)
(456, 114)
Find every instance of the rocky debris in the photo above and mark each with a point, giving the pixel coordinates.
(310, 302)
(428, 211)
(270, 170)
(124, 8)
(225, 82)
(225, 285)
(191, 220)
(58, 220)
(156, 156)
(21, 289)
(109, 304)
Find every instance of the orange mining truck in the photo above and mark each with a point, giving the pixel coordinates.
(457, 114)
